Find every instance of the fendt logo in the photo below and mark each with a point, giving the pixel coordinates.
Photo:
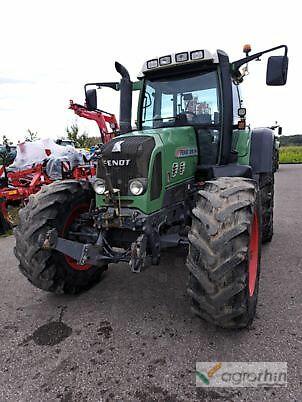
(117, 146)
(117, 162)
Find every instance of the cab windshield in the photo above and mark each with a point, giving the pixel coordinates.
(180, 101)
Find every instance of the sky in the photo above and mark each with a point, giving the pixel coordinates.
(50, 49)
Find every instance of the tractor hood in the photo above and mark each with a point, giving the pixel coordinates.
(160, 158)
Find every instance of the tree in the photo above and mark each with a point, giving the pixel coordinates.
(294, 140)
(80, 140)
(93, 141)
(6, 141)
(32, 136)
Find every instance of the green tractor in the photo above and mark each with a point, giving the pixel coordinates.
(192, 173)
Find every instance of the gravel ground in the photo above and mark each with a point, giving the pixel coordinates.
(133, 337)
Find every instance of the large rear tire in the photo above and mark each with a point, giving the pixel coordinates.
(57, 205)
(275, 159)
(224, 253)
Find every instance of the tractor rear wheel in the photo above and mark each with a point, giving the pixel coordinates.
(275, 160)
(58, 206)
(224, 252)
(266, 184)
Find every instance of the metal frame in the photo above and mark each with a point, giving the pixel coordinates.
(101, 117)
(235, 65)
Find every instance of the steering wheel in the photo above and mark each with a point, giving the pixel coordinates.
(192, 113)
(179, 115)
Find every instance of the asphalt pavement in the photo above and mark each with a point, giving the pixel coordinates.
(133, 337)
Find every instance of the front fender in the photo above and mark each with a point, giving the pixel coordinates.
(261, 153)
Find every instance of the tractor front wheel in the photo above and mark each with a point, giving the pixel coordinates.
(224, 252)
(58, 205)
(266, 184)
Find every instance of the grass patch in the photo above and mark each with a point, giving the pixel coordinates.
(7, 234)
(291, 154)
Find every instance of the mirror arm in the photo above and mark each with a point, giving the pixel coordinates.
(237, 64)
(112, 85)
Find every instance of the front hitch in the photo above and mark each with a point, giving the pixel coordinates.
(95, 254)
(138, 253)
(99, 253)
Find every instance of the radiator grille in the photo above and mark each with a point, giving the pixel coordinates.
(130, 161)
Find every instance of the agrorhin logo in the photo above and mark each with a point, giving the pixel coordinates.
(205, 377)
(241, 374)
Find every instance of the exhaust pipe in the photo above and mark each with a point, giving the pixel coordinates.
(125, 99)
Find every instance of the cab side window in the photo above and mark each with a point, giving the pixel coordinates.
(148, 107)
(236, 103)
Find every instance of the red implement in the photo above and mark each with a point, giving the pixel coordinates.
(19, 185)
(103, 119)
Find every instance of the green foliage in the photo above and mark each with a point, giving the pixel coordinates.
(32, 136)
(74, 135)
(92, 141)
(81, 140)
(7, 234)
(291, 154)
(295, 140)
(6, 154)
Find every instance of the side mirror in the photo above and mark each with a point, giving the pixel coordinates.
(276, 73)
(91, 99)
(279, 130)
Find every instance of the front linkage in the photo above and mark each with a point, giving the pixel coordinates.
(101, 252)
(147, 243)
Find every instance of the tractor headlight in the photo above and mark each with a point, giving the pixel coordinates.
(136, 187)
(99, 186)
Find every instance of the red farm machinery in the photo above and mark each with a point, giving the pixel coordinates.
(17, 185)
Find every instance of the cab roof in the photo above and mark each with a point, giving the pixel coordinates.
(187, 57)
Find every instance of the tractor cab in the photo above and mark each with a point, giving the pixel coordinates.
(196, 89)
(200, 89)
(184, 90)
